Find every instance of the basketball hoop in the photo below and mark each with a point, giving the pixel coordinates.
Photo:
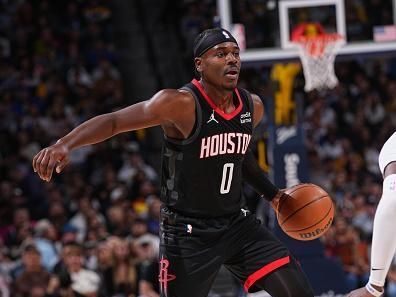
(317, 53)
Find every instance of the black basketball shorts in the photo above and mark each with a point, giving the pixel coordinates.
(193, 249)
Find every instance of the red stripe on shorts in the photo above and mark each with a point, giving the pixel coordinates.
(255, 276)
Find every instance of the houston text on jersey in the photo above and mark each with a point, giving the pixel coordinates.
(224, 143)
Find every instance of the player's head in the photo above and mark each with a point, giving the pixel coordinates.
(216, 57)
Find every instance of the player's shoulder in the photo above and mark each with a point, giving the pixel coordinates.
(176, 96)
(172, 104)
(256, 98)
(258, 108)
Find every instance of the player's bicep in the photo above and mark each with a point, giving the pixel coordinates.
(145, 114)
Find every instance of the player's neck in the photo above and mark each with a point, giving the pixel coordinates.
(221, 97)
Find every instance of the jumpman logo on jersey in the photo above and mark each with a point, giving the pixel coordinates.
(245, 212)
(212, 118)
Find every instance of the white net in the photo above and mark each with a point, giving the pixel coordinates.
(317, 56)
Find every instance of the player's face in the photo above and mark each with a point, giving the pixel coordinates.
(220, 65)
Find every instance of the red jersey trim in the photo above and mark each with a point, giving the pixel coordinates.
(227, 116)
(255, 276)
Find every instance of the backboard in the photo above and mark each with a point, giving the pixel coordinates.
(367, 25)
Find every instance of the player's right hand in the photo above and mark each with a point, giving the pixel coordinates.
(281, 195)
(53, 157)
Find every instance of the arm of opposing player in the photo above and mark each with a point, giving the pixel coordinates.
(159, 110)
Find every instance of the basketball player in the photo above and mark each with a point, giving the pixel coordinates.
(208, 125)
(384, 243)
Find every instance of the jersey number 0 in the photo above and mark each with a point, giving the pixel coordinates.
(226, 180)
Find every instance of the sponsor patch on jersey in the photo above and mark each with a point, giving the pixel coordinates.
(246, 118)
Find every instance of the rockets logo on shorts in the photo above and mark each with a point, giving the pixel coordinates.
(224, 143)
(164, 277)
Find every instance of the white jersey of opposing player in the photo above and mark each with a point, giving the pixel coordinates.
(388, 153)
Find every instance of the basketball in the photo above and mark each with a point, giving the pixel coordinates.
(307, 214)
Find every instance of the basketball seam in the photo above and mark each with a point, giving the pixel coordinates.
(298, 230)
(297, 210)
(297, 187)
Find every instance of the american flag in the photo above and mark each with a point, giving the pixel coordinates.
(384, 33)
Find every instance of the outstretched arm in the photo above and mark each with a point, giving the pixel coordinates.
(163, 109)
(159, 110)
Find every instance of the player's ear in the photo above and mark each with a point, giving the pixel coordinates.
(198, 64)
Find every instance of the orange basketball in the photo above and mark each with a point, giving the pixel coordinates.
(307, 214)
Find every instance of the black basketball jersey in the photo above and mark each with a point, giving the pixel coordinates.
(202, 175)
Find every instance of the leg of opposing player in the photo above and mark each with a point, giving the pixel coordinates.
(384, 241)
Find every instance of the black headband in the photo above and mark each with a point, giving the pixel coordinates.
(210, 39)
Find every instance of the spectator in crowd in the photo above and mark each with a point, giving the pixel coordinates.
(105, 268)
(83, 281)
(20, 231)
(343, 242)
(80, 220)
(33, 279)
(147, 253)
(45, 240)
(154, 207)
(391, 281)
(124, 272)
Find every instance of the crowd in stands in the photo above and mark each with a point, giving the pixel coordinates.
(93, 230)
(345, 132)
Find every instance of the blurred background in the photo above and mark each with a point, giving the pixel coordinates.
(93, 230)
